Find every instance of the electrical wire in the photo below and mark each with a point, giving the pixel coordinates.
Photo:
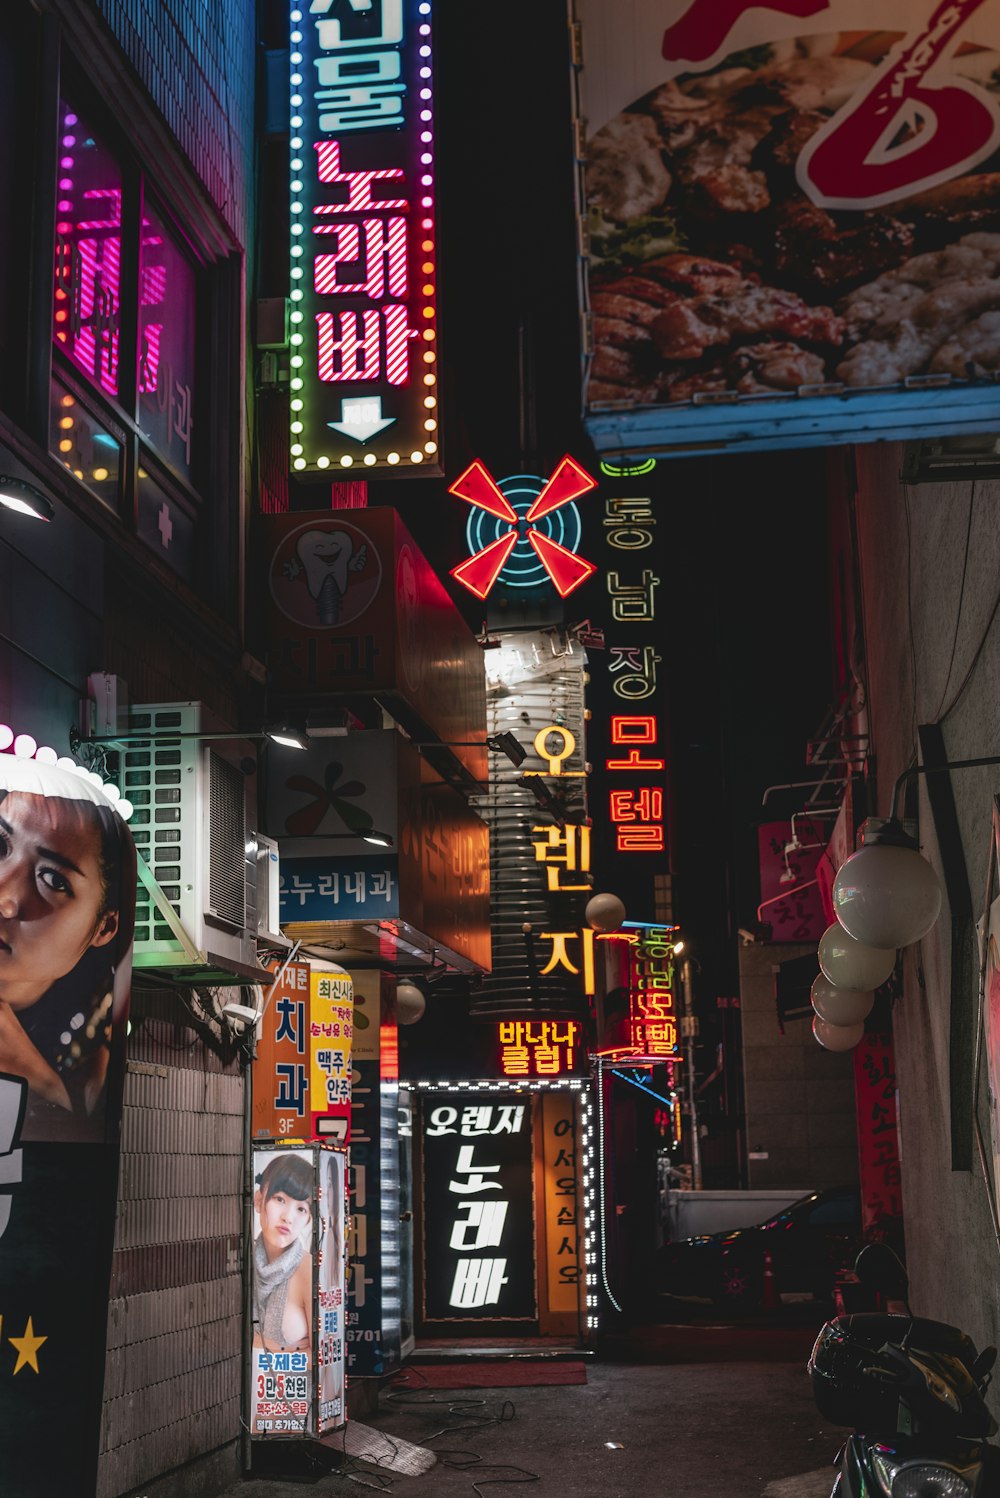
(960, 693)
(471, 1414)
(936, 716)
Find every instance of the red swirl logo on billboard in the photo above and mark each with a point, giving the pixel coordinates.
(532, 526)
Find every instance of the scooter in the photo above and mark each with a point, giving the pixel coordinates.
(913, 1391)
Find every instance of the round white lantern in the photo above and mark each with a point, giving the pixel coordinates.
(840, 1006)
(849, 964)
(605, 912)
(410, 1003)
(886, 895)
(837, 1037)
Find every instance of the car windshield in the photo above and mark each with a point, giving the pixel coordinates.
(817, 1210)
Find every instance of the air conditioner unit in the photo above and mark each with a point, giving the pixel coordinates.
(198, 922)
(268, 890)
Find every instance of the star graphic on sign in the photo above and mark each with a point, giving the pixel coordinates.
(27, 1348)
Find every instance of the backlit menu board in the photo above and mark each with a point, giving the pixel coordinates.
(364, 355)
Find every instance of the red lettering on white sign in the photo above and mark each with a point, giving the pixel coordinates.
(908, 130)
(703, 28)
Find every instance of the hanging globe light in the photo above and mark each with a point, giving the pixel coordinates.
(849, 964)
(886, 895)
(840, 1006)
(410, 1003)
(605, 912)
(837, 1037)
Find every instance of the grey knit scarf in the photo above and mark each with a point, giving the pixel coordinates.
(270, 1287)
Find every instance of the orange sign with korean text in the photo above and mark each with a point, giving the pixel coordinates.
(562, 1217)
(281, 1108)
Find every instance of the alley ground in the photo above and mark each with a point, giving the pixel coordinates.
(724, 1426)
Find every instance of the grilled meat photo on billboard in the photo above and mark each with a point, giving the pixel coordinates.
(805, 211)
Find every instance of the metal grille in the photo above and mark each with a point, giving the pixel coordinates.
(551, 694)
(154, 776)
(227, 841)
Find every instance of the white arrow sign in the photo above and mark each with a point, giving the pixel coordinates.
(361, 417)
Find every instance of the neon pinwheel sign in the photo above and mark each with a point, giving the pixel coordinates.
(524, 530)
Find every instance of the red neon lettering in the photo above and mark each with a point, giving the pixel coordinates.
(633, 730)
(635, 761)
(348, 345)
(637, 806)
(397, 345)
(705, 25)
(640, 840)
(347, 251)
(871, 152)
(359, 184)
(385, 257)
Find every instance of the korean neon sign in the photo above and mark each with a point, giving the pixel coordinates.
(539, 1048)
(363, 244)
(652, 1018)
(523, 531)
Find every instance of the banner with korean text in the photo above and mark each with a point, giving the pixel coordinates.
(478, 1236)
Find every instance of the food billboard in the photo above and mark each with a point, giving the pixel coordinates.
(792, 220)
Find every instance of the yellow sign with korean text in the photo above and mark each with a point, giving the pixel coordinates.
(331, 1029)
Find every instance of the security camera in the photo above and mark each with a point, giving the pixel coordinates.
(240, 1015)
(747, 937)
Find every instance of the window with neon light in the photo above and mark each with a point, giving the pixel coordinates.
(167, 304)
(88, 268)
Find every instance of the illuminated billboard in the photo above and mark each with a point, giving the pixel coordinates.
(793, 221)
(363, 246)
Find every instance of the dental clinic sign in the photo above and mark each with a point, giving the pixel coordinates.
(363, 245)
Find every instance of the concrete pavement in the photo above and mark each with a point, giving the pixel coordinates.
(680, 1430)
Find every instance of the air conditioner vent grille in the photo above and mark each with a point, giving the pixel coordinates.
(227, 851)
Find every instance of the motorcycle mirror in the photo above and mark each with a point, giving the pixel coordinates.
(984, 1363)
(878, 1268)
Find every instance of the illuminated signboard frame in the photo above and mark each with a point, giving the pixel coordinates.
(588, 1164)
(363, 243)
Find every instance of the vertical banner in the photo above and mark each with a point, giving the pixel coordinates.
(331, 1015)
(478, 1210)
(363, 242)
(563, 1238)
(878, 1143)
(67, 907)
(373, 1305)
(330, 1292)
(282, 1274)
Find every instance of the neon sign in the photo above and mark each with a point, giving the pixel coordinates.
(539, 1048)
(363, 244)
(523, 531)
(652, 1017)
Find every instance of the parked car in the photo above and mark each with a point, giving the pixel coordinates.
(807, 1243)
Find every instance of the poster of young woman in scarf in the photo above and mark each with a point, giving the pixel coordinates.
(282, 1268)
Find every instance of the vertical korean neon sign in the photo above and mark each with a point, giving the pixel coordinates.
(364, 383)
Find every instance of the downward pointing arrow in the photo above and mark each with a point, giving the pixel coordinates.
(361, 417)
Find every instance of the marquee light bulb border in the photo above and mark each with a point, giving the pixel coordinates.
(517, 505)
(25, 746)
(589, 1164)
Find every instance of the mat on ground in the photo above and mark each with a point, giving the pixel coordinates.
(512, 1373)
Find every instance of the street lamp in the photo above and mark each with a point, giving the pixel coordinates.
(24, 499)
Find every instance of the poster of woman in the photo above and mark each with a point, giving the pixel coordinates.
(282, 1270)
(67, 907)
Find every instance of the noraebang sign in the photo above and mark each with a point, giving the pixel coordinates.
(793, 220)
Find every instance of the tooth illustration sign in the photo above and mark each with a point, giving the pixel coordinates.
(910, 130)
(325, 574)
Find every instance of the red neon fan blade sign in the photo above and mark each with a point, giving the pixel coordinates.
(565, 569)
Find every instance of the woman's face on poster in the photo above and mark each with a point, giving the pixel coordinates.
(51, 892)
